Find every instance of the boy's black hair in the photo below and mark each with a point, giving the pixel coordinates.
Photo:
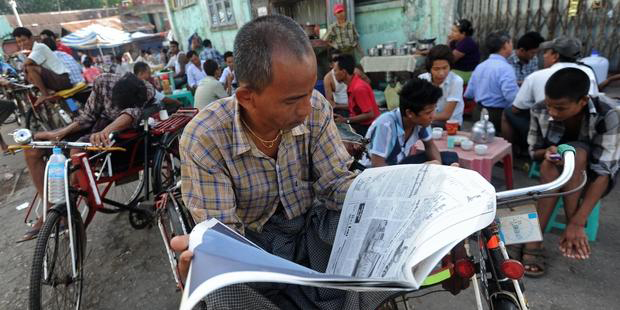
(207, 43)
(87, 62)
(417, 94)
(22, 32)
(228, 54)
(210, 66)
(174, 43)
(439, 52)
(571, 83)
(50, 43)
(190, 54)
(48, 33)
(346, 62)
(530, 41)
(140, 67)
(129, 92)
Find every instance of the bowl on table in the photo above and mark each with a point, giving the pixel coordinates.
(467, 145)
(437, 133)
(481, 149)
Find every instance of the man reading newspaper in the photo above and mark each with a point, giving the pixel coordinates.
(269, 163)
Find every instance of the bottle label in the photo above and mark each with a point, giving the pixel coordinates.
(56, 170)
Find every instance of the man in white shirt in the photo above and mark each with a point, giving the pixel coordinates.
(42, 67)
(209, 89)
(143, 71)
(228, 78)
(559, 53)
(195, 74)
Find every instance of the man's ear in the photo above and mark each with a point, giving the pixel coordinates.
(583, 101)
(245, 97)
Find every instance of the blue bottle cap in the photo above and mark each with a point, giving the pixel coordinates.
(57, 150)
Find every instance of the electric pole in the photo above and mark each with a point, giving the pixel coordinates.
(14, 8)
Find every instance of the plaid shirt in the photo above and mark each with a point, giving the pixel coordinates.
(522, 70)
(75, 70)
(225, 176)
(600, 129)
(99, 108)
(342, 37)
(211, 53)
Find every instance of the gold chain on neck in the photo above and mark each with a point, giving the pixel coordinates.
(266, 143)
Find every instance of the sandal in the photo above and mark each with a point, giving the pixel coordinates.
(534, 258)
(515, 251)
(30, 234)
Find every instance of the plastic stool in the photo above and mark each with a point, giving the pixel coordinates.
(534, 172)
(591, 224)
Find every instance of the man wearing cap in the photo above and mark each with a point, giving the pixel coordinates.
(342, 35)
(560, 53)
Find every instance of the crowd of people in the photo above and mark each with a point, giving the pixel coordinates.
(265, 145)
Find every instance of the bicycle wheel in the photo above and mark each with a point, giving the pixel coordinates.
(166, 163)
(35, 123)
(128, 190)
(52, 282)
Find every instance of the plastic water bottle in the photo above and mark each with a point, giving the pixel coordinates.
(56, 177)
(599, 64)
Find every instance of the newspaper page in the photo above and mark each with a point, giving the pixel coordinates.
(397, 222)
(393, 218)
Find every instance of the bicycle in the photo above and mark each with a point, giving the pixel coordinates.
(96, 176)
(482, 258)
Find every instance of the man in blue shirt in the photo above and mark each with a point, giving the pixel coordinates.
(394, 134)
(493, 85)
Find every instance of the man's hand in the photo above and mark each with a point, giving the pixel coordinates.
(101, 138)
(339, 119)
(550, 155)
(433, 162)
(574, 242)
(180, 244)
(40, 100)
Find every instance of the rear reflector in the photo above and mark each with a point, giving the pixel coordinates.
(513, 269)
(464, 268)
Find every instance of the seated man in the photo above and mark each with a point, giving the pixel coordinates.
(194, 70)
(75, 70)
(494, 84)
(524, 59)
(210, 88)
(228, 78)
(143, 71)
(336, 92)
(568, 115)
(115, 103)
(363, 108)
(43, 69)
(394, 134)
(259, 160)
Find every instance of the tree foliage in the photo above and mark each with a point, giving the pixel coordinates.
(36, 6)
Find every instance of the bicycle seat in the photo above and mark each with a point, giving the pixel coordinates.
(66, 93)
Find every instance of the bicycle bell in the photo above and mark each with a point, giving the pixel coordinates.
(483, 130)
(22, 136)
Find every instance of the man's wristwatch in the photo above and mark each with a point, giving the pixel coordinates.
(348, 121)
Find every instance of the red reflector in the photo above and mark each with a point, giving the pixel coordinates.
(464, 268)
(513, 269)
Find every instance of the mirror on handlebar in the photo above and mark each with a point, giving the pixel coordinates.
(22, 136)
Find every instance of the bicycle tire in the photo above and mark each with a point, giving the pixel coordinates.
(166, 160)
(504, 303)
(51, 231)
(34, 123)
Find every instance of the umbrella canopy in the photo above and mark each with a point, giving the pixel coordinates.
(96, 36)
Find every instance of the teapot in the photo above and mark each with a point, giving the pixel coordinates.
(483, 130)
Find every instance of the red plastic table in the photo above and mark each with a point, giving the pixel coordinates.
(498, 150)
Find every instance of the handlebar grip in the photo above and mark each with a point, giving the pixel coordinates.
(562, 148)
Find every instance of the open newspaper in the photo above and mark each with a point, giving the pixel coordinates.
(396, 224)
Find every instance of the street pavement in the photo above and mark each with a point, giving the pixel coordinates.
(128, 269)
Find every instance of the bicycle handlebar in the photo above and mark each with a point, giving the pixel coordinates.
(568, 155)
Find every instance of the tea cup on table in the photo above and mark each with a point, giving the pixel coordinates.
(437, 133)
(467, 144)
(481, 149)
(452, 127)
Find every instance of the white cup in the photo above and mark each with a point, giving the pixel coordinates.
(480, 149)
(437, 133)
(467, 144)
(163, 115)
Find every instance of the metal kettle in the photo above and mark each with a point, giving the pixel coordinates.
(483, 130)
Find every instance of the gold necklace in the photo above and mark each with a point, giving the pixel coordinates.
(266, 143)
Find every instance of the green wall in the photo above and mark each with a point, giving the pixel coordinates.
(195, 18)
(404, 20)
